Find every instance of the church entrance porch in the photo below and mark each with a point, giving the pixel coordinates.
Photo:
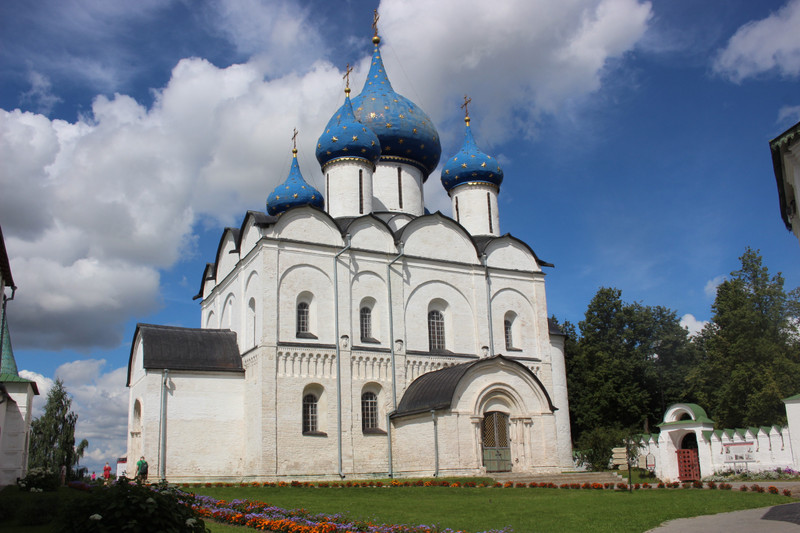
(688, 460)
(496, 449)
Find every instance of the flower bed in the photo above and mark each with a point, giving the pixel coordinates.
(265, 517)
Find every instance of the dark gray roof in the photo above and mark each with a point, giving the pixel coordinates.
(554, 328)
(434, 391)
(5, 266)
(173, 348)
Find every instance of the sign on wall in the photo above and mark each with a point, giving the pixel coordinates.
(739, 452)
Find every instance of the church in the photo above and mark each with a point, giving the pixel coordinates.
(349, 333)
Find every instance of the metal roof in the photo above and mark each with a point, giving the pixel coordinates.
(174, 348)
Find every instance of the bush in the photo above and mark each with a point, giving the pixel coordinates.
(131, 507)
(39, 479)
(596, 445)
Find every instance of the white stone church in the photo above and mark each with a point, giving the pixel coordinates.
(354, 334)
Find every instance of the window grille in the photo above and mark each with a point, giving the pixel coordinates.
(309, 413)
(435, 331)
(489, 205)
(509, 336)
(369, 410)
(302, 317)
(366, 323)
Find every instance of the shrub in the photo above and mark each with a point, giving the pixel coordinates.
(711, 485)
(725, 486)
(757, 488)
(130, 507)
(661, 485)
(772, 489)
(622, 486)
(40, 479)
(743, 488)
(697, 484)
(787, 492)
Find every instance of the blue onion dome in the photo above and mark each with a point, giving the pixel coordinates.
(470, 165)
(345, 137)
(405, 131)
(293, 192)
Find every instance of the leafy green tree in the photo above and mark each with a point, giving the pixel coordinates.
(627, 365)
(53, 434)
(750, 354)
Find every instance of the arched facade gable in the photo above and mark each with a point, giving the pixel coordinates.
(229, 314)
(371, 233)
(508, 252)
(509, 240)
(135, 364)
(438, 237)
(460, 319)
(501, 381)
(227, 253)
(316, 287)
(307, 224)
(249, 234)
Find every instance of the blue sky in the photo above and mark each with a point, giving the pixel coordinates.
(633, 137)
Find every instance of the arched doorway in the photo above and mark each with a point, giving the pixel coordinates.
(688, 460)
(496, 445)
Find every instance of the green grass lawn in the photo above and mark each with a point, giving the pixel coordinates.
(524, 510)
(472, 509)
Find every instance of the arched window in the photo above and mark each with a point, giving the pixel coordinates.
(436, 331)
(369, 411)
(508, 334)
(511, 331)
(366, 324)
(251, 321)
(310, 414)
(302, 317)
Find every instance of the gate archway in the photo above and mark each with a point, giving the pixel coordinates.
(688, 460)
(496, 444)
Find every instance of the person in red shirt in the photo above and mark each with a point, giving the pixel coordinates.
(106, 473)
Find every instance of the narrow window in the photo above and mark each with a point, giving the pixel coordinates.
(302, 317)
(366, 323)
(509, 337)
(360, 192)
(458, 219)
(327, 185)
(489, 205)
(369, 411)
(400, 187)
(309, 413)
(435, 331)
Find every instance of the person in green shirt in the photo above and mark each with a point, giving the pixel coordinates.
(141, 470)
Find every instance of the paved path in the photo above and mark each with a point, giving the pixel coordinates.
(778, 519)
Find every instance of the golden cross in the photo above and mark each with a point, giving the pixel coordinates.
(375, 18)
(294, 139)
(346, 76)
(467, 100)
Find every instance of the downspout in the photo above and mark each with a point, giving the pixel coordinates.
(435, 443)
(391, 323)
(338, 352)
(488, 303)
(162, 429)
(3, 321)
(391, 345)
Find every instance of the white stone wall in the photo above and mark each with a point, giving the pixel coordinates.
(349, 187)
(15, 423)
(387, 195)
(475, 207)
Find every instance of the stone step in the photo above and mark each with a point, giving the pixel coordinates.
(560, 479)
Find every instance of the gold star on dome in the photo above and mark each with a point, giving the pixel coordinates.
(463, 165)
(328, 130)
(483, 165)
(319, 145)
(363, 150)
(388, 124)
(455, 159)
(372, 98)
(334, 138)
(355, 137)
(386, 107)
(372, 115)
(277, 197)
(400, 141)
(373, 143)
(402, 115)
(414, 130)
(294, 195)
(472, 155)
(344, 149)
(344, 127)
(421, 146)
(302, 186)
(313, 196)
(446, 171)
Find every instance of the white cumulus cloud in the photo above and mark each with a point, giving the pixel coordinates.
(94, 210)
(689, 322)
(711, 285)
(769, 44)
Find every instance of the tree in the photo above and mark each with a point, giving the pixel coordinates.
(627, 365)
(750, 354)
(53, 434)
